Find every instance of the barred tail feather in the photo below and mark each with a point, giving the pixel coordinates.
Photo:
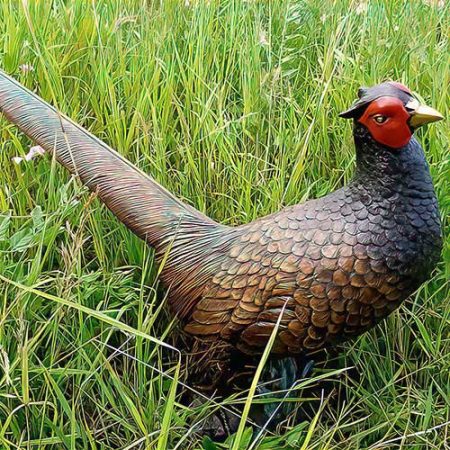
(144, 206)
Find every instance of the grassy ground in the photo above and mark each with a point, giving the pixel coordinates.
(233, 106)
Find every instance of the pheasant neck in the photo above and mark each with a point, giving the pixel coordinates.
(386, 171)
(396, 186)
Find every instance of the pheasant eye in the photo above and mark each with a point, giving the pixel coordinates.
(379, 118)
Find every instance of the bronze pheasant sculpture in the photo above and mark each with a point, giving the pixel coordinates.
(331, 267)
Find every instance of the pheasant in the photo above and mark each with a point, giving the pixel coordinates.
(320, 272)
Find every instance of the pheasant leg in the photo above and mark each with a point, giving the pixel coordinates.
(278, 381)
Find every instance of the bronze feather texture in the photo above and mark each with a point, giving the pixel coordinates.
(331, 267)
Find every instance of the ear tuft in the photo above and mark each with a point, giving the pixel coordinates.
(362, 91)
(355, 110)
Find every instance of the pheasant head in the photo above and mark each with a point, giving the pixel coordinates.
(390, 113)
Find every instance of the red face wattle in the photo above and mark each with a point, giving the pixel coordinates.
(386, 119)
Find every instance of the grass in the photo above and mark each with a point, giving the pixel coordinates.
(233, 106)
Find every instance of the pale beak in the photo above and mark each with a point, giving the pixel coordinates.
(421, 114)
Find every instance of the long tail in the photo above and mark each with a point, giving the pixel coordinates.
(144, 206)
